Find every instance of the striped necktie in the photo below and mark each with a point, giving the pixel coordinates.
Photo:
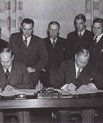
(95, 40)
(25, 41)
(53, 43)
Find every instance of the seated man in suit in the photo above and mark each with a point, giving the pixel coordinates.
(79, 74)
(13, 75)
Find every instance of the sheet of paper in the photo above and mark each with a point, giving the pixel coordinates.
(18, 91)
(74, 92)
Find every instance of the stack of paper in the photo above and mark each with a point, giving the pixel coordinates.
(17, 92)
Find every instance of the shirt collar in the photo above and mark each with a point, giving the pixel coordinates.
(53, 40)
(82, 32)
(77, 68)
(9, 69)
(28, 39)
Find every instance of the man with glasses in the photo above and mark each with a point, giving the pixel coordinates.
(29, 49)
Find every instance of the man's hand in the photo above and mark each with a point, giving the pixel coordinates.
(88, 87)
(69, 87)
(9, 88)
(30, 70)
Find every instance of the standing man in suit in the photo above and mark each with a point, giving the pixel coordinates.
(29, 49)
(81, 37)
(13, 75)
(79, 74)
(55, 46)
(97, 47)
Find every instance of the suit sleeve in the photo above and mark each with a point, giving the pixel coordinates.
(43, 57)
(98, 79)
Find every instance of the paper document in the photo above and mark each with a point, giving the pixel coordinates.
(18, 91)
(76, 92)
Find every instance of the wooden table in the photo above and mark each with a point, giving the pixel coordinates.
(60, 103)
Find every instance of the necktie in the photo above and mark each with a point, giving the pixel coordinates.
(78, 73)
(53, 43)
(7, 73)
(80, 36)
(25, 41)
(95, 40)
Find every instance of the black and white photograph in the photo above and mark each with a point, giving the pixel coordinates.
(51, 61)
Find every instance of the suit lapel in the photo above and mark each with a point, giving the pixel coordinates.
(49, 43)
(100, 42)
(31, 42)
(57, 42)
(20, 41)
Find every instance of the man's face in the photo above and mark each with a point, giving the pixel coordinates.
(27, 29)
(53, 31)
(81, 60)
(80, 25)
(6, 60)
(97, 29)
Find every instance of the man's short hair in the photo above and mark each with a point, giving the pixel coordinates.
(54, 22)
(79, 16)
(28, 21)
(6, 50)
(98, 20)
(84, 52)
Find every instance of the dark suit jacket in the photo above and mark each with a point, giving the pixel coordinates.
(97, 55)
(55, 56)
(74, 42)
(3, 44)
(18, 77)
(67, 74)
(35, 55)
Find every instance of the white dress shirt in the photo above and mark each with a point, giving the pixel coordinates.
(52, 40)
(81, 33)
(77, 69)
(9, 69)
